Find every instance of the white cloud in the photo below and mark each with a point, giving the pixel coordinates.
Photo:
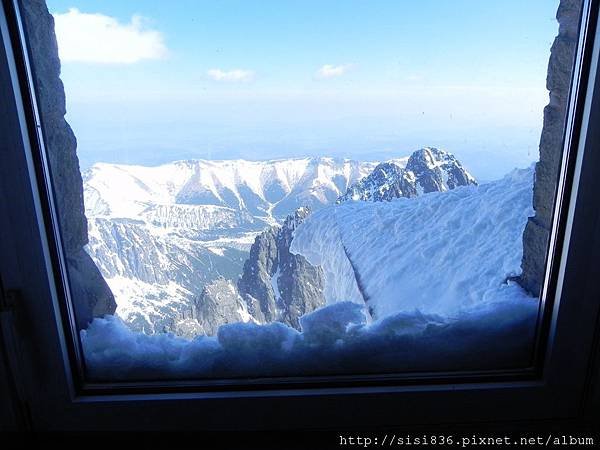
(96, 38)
(230, 75)
(331, 71)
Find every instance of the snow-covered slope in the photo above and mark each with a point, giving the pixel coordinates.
(438, 253)
(154, 272)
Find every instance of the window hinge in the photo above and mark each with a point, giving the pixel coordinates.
(11, 357)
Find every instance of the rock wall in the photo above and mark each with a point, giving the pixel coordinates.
(537, 231)
(277, 285)
(91, 295)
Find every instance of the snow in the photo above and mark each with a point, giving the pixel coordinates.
(125, 191)
(216, 250)
(334, 339)
(275, 285)
(327, 252)
(243, 241)
(244, 313)
(146, 301)
(197, 217)
(439, 253)
(401, 162)
(412, 284)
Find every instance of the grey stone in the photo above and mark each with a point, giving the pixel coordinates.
(558, 82)
(300, 284)
(436, 170)
(261, 265)
(218, 304)
(277, 285)
(91, 295)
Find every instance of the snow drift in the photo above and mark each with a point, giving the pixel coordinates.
(411, 285)
(334, 340)
(439, 253)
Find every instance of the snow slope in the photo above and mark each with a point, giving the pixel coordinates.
(439, 253)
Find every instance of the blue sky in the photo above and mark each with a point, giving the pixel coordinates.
(149, 81)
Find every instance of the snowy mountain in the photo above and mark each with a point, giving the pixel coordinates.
(191, 245)
(161, 234)
(269, 190)
(154, 272)
(419, 284)
(427, 170)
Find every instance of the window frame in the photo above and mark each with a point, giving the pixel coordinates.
(32, 264)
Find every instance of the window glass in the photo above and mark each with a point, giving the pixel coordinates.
(258, 189)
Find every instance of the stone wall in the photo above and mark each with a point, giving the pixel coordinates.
(558, 81)
(91, 295)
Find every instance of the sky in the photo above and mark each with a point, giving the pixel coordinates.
(150, 81)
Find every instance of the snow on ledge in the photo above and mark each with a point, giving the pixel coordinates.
(334, 340)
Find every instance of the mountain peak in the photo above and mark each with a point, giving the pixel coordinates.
(428, 169)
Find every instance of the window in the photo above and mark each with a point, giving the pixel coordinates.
(308, 280)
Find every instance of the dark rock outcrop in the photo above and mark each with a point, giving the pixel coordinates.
(558, 82)
(91, 294)
(255, 283)
(300, 284)
(427, 170)
(219, 304)
(277, 285)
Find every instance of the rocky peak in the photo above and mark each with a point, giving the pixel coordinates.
(388, 180)
(427, 170)
(276, 284)
(437, 170)
(292, 221)
(219, 304)
(255, 283)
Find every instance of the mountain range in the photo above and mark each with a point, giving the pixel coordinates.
(190, 245)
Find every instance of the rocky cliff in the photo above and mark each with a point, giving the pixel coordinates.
(276, 284)
(219, 304)
(90, 293)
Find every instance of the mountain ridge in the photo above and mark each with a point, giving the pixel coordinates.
(175, 241)
(272, 189)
